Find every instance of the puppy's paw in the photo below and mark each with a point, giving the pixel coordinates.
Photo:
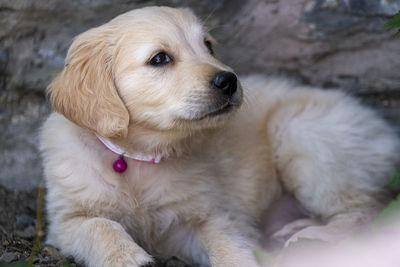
(290, 229)
(145, 260)
(318, 233)
(133, 259)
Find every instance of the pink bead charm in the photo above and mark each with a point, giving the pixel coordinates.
(120, 165)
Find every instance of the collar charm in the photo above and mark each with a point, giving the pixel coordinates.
(120, 164)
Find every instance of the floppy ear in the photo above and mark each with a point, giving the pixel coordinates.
(85, 91)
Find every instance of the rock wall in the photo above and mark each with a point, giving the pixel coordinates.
(326, 43)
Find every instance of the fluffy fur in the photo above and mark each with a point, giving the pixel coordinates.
(207, 200)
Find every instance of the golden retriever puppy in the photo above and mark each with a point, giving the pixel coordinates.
(149, 151)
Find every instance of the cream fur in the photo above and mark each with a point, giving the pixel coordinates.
(205, 202)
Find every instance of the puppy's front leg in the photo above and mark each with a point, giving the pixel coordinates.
(225, 245)
(99, 242)
(338, 227)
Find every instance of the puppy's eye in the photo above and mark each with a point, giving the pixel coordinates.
(160, 59)
(208, 44)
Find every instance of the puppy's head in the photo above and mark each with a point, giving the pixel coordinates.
(153, 67)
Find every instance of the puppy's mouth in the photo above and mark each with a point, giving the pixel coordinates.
(209, 106)
(222, 109)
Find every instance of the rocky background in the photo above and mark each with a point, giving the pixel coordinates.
(326, 43)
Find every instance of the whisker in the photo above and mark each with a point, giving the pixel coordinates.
(218, 26)
(203, 23)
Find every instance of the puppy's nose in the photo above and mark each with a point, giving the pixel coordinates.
(225, 82)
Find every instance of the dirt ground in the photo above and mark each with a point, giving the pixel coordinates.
(18, 232)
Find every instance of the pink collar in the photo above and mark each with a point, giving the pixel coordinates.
(121, 152)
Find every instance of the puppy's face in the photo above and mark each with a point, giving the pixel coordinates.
(167, 74)
(156, 67)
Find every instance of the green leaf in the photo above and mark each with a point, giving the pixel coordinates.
(393, 22)
(395, 181)
(21, 263)
(66, 263)
(389, 212)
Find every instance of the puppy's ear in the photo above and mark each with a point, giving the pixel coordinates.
(85, 91)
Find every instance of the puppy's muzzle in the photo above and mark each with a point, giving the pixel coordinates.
(225, 83)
